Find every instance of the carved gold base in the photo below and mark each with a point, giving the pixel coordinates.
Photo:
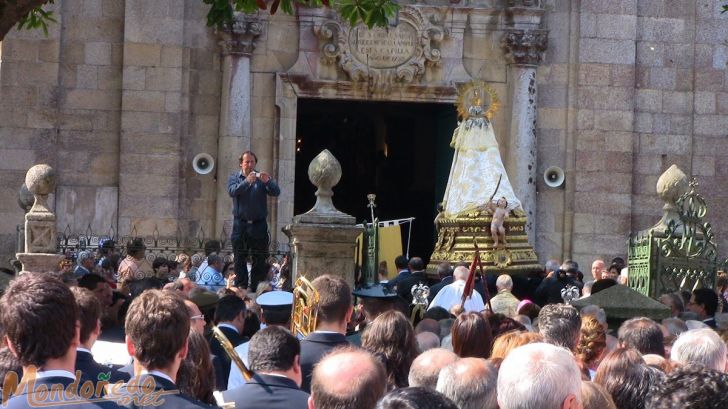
(456, 236)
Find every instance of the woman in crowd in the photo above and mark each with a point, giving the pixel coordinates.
(196, 375)
(471, 336)
(134, 266)
(626, 376)
(392, 338)
(592, 344)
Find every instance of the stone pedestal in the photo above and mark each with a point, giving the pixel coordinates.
(40, 223)
(323, 240)
(238, 44)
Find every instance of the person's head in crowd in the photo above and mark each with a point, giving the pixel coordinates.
(541, 376)
(415, 398)
(274, 351)
(471, 383)
(509, 341)
(700, 346)
(569, 268)
(89, 309)
(642, 334)
(504, 282)
(401, 262)
(347, 378)
(427, 340)
(276, 308)
(525, 321)
(416, 264)
(612, 272)
(673, 327)
(427, 325)
(500, 324)
(136, 248)
(231, 310)
(691, 387)
(39, 315)
(161, 268)
(674, 301)
(703, 302)
(560, 324)
(658, 362)
(185, 285)
(437, 313)
(425, 369)
(595, 396)
(85, 259)
(197, 319)
(215, 262)
(444, 269)
(597, 312)
(629, 385)
(392, 337)
(471, 336)
(99, 287)
(335, 307)
(158, 341)
(196, 374)
(184, 261)
(136, 287)
(212, 246)
(597, 269)
(592, 343)
(529, 309)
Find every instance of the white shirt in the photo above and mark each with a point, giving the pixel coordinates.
(54, 373)
(235, 378)
(452, 294)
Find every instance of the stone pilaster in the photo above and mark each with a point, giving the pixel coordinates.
(237, 46)
(525, 50)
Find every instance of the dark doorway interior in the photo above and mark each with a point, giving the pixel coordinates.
(399, 151)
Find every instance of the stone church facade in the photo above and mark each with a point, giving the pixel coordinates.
(121, 95)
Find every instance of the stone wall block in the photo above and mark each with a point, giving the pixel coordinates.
(613, 120)
(164, 79)
(616, 26)
(97, 53)
(607, 51)
(677, 102)
(142, 54)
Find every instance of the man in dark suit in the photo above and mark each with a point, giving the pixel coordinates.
(157, 327)
(444, 271)
(274, 356)
(90, 313)
(401, 263)
(418, 276)
(230, 319)
(334, 312)
(39, 315)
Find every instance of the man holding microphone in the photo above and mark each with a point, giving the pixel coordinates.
(249, 190)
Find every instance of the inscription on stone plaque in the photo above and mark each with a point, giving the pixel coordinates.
(383, 47)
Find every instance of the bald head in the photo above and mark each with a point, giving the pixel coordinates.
(346, 378)
(461, 273)
(470, 382)
(425, 369)
(597, 268)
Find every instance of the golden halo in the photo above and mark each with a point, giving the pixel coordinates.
(476, 91)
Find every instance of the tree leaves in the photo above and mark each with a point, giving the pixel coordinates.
(37, 18)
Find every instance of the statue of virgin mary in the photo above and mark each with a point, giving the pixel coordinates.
(477, 166)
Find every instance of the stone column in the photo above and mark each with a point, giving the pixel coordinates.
(238, 43)
(40, 223)
(323, 239)
(524, 49)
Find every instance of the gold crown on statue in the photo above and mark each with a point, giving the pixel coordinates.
(477, 93)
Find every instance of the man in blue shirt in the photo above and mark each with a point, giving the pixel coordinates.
(249, 190)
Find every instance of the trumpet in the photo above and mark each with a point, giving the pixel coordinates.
(230, 351)
(305, 307)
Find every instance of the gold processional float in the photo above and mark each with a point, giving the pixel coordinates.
(470, 212)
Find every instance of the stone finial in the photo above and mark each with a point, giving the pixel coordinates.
(672, 184)
(25, 198)
(239, 38)
(525, 47)
(41, 181)
(324, 172)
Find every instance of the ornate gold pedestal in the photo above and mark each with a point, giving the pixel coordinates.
(456, 236)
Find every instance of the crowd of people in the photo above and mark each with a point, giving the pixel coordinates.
(96, 336)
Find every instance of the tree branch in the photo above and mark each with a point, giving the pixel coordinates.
(11, 11)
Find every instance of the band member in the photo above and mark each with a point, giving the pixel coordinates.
(249, 190)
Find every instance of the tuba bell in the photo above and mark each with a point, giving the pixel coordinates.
(305, 307)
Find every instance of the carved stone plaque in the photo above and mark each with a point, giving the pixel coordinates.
(383, 48)
(381, 58)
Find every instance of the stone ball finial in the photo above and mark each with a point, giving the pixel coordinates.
(41, 179)
(25, 198)
(672, 184)
(324, 171)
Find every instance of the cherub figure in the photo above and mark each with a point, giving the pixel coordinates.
(500, 212)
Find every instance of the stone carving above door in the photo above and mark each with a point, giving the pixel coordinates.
(379, 59)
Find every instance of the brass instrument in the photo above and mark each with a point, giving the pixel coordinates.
(230, 351)
(305, 307)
